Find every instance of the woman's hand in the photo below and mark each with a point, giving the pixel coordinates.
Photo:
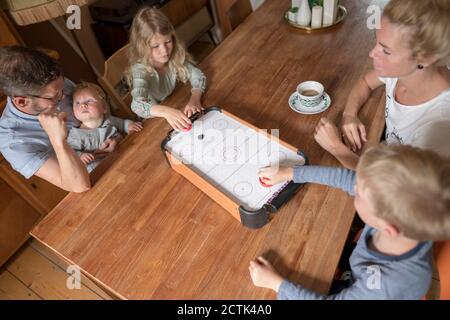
(353, 131)
(274, 175)
(264, 275)
(327, 135)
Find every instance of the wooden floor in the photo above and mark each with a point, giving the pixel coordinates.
(35, 274)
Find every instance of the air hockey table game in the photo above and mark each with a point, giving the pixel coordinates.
(221, 154)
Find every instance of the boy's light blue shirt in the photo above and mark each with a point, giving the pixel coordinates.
(23, 141)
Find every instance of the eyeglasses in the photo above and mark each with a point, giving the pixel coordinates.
(54, 100)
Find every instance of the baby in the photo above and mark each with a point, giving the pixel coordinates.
(97, 130)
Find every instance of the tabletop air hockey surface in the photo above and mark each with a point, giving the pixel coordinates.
(222, 155)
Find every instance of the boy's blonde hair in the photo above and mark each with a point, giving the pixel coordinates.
(430, 20)
(409, 188)
(146, 23)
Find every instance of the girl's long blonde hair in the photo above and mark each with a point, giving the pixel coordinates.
(147, 22)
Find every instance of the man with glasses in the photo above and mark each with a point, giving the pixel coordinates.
(38, 113)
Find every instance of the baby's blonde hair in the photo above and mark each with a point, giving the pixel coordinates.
(146, 23)
(409, 188)
(430, 23)
(89, 85)
(97, 89)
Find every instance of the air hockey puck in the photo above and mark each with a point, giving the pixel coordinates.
(188, 128)
(263, 183)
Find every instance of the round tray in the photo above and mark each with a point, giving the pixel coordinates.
(342, 13)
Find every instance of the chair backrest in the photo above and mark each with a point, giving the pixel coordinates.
(114, 84)
(442, 258)
(231, 13)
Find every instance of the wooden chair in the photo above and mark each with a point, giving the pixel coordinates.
(231, 13)
(114, 84)
(442, 258)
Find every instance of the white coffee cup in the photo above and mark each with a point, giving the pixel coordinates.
(311, 93)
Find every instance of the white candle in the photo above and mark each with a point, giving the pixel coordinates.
(316, 20)
(330, 8)
(292, 16)
(296, 3)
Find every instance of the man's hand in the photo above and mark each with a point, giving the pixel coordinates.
(54, 124)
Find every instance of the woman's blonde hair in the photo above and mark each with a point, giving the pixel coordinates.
(410, 188)
(146, 23)
(430, 22)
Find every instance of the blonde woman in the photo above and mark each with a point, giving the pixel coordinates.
(157, 60)
(409, 59)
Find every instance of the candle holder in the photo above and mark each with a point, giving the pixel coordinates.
(342, 13)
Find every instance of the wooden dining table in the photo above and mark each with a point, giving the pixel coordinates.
(145, 232)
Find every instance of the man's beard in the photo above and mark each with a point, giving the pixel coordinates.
(39, 109)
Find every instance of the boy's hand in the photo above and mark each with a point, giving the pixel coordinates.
(135, 127)
(275, 175)
(264, 275)
(87, 158)
(353, 131)
(327, 135)
(54, 124)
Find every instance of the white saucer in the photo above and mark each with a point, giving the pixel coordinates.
(295, 104)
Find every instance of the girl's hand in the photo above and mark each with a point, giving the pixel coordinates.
(275, 175)
(327, 135)
(192, 108)
(353, 131)
(264, 275)
(87, 158)
(177, 119)
(135, 127)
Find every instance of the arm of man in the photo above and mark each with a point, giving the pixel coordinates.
(51, 171)
(66, 170)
